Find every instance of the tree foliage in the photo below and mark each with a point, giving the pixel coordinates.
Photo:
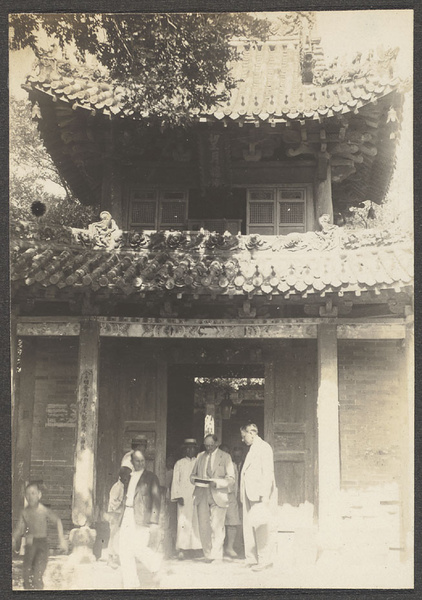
(387, 215)
(34, 177)
(170, 64)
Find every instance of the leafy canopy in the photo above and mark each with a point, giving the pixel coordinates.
(35, 178)
(170, 64)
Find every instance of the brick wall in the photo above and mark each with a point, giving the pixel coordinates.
(372, 430)
(53, 433)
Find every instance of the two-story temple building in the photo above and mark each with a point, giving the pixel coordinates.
(222, 254)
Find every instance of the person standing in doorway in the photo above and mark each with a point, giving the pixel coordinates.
(258, 497)
(182, 492)
(212, 475)
(139, 442)
(139, 525)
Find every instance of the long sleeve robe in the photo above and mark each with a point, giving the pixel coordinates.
(187, 518)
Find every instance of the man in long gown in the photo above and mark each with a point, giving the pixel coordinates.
(182, 492)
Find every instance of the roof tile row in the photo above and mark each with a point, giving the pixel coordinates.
(269, 86)
(266, 272)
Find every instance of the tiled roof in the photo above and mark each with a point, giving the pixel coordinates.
(269, 87)
(340, 262)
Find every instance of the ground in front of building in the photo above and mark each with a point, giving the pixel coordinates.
(331, 570)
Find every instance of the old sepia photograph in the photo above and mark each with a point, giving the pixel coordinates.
(211, 275)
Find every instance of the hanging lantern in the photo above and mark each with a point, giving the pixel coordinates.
(226, 412)
(219, 396)
(371, 212)
(226, 406)
(210, 396)
(236, 397)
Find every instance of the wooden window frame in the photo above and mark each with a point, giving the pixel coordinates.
(158, 196)
(277, 190)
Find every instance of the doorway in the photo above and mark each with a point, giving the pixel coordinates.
(236, 392)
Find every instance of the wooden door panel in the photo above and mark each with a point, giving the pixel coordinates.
(290, 407)
(292, 475)
(144, 407)
(132, 399)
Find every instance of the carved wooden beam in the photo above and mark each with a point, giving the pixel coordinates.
(252, 154)
(212, 329)
(302, 149)
(167, 310)
(246, 311)
(328, 310)
(372, 331)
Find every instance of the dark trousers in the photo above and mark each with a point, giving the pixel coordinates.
(35, 563)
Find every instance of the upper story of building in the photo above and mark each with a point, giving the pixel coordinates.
(238, 206)
(296, 139)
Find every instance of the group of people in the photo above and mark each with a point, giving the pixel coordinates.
(207, 489)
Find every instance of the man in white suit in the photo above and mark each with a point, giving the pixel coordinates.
(258, 497)
(212, 475)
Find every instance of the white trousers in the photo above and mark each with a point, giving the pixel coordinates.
(212, 531)
(133, 546)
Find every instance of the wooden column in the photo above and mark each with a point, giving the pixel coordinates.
(111, 192)
(269, 402)
(323, 191)
(218, 424)
(25, 396)
(161, 400)
(83, 502)
(328, 436)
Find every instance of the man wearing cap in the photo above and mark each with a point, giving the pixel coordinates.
(182, 493)
(139, 442)
(213, 475)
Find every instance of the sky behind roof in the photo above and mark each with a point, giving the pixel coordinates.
(342, 33)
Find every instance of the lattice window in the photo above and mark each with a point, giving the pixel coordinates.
(145, 195)
(292, 212)
(277, 211)
(173, 213)
(173, 195)
(261, 212)
(158, 209)
(143, 212)
(261, 194)
(292, 194)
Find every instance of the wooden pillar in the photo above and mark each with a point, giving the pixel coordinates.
(25, 396)
(83, 502)
(269, 402)
(161, 400)
(218, 424)
(322, 190)
(328, 436)
(111, 192)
